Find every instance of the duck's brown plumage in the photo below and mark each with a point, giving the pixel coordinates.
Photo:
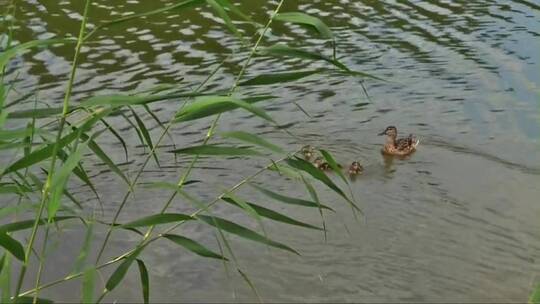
(398, 146)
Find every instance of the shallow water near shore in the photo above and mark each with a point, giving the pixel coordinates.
(457, 221)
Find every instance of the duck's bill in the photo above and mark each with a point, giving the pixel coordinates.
(382, 133)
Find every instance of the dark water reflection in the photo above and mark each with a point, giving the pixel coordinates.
(455, 222)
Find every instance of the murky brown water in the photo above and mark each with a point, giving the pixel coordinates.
(456, 222)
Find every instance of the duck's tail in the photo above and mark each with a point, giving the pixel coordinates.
(416, 142)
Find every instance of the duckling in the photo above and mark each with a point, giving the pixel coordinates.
(319, 163)
(355, 168)
(308, 151)
(398, 146)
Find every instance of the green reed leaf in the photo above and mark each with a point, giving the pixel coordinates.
(289, 200)
(19, 133)
(145, 281)
(105, 158)
(156, 219)
(216, 150)
(194, 246)
(19, 208)
(534, 298)
(250, 284)
(5, 279)
(120, 272)
(266, 79)
(306, 20)
(224, 16)
(307, 167)
(37, 113)
(313, 193)
(85, 249)
(210, 105)
(252, 139)
(333, 164)
(273, 215)
(6, 55)
(243, 232)
(146, 135)
(27, 224)
(12, 245)
(233, 9)
(30, 300)
(88, 285)
(281, 50)
(177, 6)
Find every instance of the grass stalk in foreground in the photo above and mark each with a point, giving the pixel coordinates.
(47, 185)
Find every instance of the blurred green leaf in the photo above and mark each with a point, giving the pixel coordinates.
(146, 135)
(145, 281)
(273, 78)
(26, 224)
(289, 200)
(273, 215)
(30, 300)
(216, 150)
(306, 20)
(120, 272)
(88, 285)
(210, 105)
(224, 16)
(252, 139)
(333, 164)
(6, 55)
(307, 167)
(193, 246)
(12, 245)
(535, 295)
(156, 219)
(243, 232)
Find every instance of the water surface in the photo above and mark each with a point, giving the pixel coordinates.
(455, 222)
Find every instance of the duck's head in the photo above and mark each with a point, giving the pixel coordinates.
(355, 168)
(389, 131)
(308, 151)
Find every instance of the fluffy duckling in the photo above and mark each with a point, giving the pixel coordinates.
(355, 168)
(398, 146)
(308, 152)
(319, 163)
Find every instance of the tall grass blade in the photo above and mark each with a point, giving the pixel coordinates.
(60, 178)
(120, 272)
(281, 50)
(250, 284)
(216, 150)
(333, 164)
(210, 105)
(243, 232)
(156, 219)
(30, 300)
(307, 167)
(266, 79)
(273, 215)
(231, 7)
(252, 139)
(6, 55)
(225, 17)
(37, 113)
(315, 197)
(145, 281)
(5, 279)
(306, 20)
(12, 245)
(288, 199)
(85, 249)
(27, 224)
(105, 158)
(193, 246)
(534, 298)
(88, 285)
(146, 135)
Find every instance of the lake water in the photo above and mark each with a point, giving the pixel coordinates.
(457, 221)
